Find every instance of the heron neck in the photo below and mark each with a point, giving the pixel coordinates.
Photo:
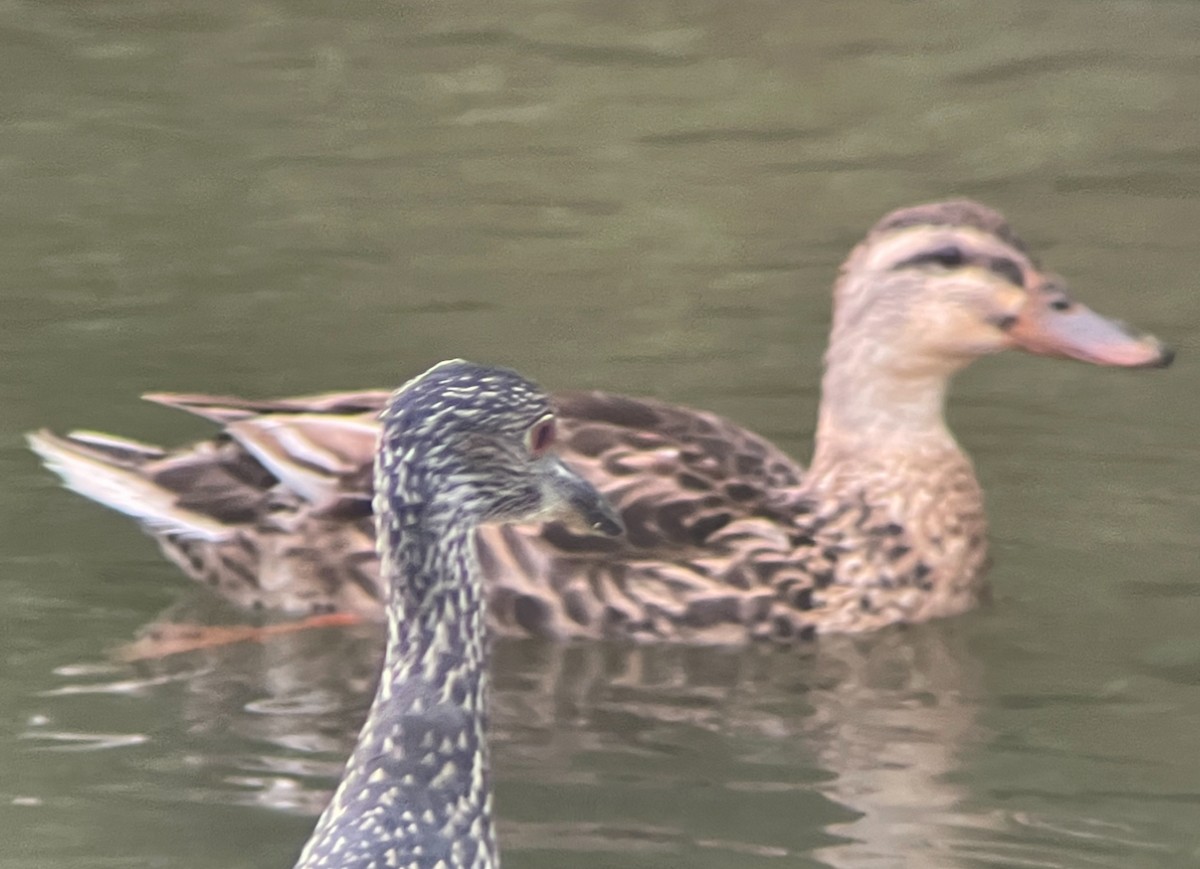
(420, 768)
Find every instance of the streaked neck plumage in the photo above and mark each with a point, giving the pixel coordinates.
(416, 792)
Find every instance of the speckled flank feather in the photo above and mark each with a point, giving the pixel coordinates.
(728, 538)
(452, 455)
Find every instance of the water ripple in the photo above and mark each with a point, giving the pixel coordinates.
(68, 741)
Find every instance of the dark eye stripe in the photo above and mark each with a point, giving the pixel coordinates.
(952, 257)
(949, 257)
(1007, 269)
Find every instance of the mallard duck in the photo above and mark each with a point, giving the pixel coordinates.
(461, 446)
(728, 537)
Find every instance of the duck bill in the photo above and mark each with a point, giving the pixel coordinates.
(1052, 324)
(577, 501)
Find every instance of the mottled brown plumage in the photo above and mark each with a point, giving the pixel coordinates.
(728, 538)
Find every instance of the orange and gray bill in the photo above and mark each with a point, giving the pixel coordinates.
(1054, 324)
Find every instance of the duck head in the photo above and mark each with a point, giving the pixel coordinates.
(942, 284)
(934, 287)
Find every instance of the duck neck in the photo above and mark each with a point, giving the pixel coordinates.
(420, 768)
(875, 413)
(889, 483)
(886, 464)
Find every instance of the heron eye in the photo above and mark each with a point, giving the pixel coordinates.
(541, 435)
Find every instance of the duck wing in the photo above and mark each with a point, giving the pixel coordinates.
(702, 499)
(274, 513)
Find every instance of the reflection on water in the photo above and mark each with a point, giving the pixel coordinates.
(662, 739)
(651, 198)
(854, 752)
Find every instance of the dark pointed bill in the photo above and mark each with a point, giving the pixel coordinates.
(1054, 324)
(586, 505)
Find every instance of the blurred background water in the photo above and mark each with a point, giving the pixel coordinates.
(273, 197)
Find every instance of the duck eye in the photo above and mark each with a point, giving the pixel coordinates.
(541, 435)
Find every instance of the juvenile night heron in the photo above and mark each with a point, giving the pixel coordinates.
(462, 445)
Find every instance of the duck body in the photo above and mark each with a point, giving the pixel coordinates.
(729, 539)
(453, 456)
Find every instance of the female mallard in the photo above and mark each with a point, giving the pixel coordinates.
(728, 538)
(462, 446)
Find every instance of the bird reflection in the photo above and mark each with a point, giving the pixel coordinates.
(845, 750)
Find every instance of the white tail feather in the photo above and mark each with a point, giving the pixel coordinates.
(308, 453)
(122, 489)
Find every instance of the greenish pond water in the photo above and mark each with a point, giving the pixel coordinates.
(274, 197)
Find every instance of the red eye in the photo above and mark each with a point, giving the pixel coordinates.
(540, 436)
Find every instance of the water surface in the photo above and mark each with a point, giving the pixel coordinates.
(273, 198)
